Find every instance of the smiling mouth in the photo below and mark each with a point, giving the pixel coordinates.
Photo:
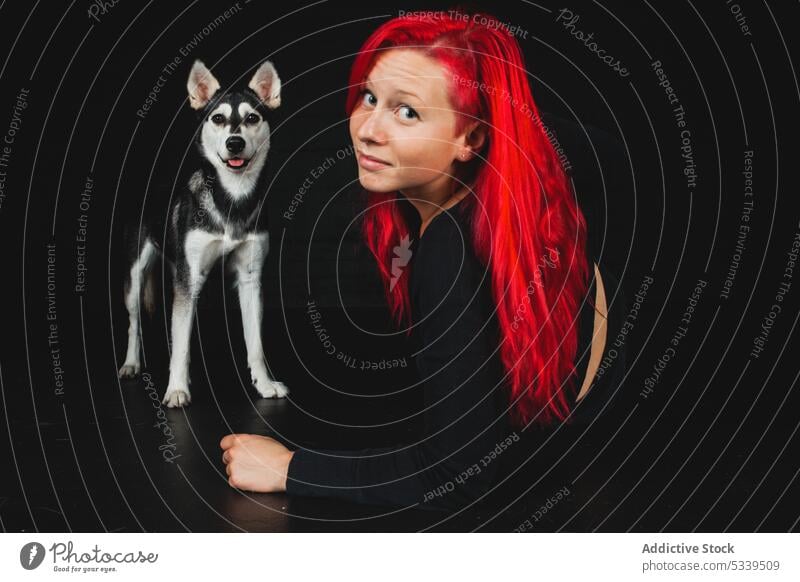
(370, 163)
(235, 163)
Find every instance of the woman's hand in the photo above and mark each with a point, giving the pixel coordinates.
(255, 463)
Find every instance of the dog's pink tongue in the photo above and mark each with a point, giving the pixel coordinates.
(235, 162)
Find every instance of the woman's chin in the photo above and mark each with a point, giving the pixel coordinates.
(373, 182)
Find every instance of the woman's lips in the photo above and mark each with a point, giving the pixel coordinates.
(370, 163)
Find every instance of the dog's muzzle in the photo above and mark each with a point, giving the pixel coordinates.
(235, 144)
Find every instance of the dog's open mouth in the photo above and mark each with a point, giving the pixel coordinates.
(236, 163)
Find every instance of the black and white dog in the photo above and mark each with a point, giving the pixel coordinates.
(217, 213)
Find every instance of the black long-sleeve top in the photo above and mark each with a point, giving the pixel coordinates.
(467, 428)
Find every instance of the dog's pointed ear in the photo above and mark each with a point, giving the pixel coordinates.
(267, 85)
(201, 85)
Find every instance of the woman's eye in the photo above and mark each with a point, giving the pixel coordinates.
(252, 119)
(369, 98)
(407, 112)
(218, 118)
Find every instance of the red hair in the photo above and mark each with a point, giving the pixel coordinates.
(526, 224)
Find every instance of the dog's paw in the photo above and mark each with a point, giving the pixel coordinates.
(270, 388)
(130, 370)
(177, 397)
(266, 386)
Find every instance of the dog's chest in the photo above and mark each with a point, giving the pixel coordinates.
(236, 221)
(203, 248)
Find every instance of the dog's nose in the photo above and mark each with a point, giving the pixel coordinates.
(235, 144)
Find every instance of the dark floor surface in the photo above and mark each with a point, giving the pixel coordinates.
(103, 459)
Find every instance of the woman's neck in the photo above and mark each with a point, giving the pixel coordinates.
(430, 205)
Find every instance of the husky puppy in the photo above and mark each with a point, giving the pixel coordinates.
(217, 214)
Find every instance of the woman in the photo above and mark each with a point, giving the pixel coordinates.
(463, 184)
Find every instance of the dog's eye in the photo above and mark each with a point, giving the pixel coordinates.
(218, 118)
(252, 119)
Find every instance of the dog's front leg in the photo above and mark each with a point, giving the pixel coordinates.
(248, 261)
(201, 252)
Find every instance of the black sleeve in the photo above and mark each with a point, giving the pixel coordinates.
(456, 460)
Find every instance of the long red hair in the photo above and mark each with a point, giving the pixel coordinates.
(526, 224)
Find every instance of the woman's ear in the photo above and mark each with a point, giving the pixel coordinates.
(477, 137)
(473, 139)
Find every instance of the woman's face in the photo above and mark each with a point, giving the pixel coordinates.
(405, 121)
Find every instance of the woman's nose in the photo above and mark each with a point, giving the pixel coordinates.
(371, 128)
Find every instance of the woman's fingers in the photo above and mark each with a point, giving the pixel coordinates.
(229, 440)
(227, 443)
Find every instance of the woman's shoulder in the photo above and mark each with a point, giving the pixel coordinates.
(445, 268)
(446, 249)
